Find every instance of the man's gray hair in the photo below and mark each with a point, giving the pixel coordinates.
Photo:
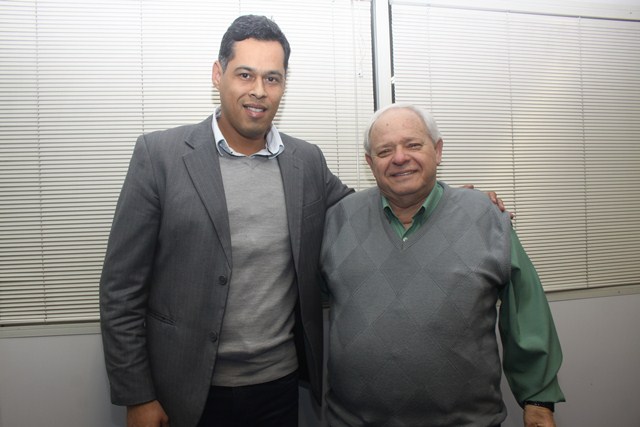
(425, 116)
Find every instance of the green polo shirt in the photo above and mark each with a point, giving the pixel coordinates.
(531, 350)
(420, 217)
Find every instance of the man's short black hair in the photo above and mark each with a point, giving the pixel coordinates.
(251, 27)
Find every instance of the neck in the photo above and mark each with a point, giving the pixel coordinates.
(240, 143)
(246, 146)
(405, 211)
(405, 207)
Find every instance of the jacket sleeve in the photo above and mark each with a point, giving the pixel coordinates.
(531, 350)
(125, 281)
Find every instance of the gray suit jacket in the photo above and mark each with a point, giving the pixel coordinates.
(164, 283)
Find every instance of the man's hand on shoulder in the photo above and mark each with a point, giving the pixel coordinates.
(494, 198)
(536, 416)
(149, 414)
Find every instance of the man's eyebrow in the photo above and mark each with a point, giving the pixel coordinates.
(255, 71)
(383, 145)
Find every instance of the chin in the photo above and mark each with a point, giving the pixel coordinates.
(406, 191)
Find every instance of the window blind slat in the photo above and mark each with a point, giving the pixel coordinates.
(80, 80)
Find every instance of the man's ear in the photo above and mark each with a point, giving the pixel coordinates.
(438, 147)
(216, 74)
(369, 160)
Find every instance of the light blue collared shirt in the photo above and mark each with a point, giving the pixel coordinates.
(271, 150)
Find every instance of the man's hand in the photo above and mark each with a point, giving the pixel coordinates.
(148, 414)
(494, 198)
(536, 416)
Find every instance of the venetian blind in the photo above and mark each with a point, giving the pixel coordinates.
(546, 111)
(80, 80)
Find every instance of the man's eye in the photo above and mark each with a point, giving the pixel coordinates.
(384, 153)
(415, 146)
(274, 81)
(244, 75)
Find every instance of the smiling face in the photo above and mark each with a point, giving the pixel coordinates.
(403, 158)
(250, 89)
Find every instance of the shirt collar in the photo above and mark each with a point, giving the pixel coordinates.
(425, 211)
(271, 150)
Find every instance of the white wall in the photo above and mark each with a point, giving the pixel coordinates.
(600, 375)
(59, 381)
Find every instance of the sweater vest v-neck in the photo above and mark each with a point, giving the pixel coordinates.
(256, 340)
(412, 337)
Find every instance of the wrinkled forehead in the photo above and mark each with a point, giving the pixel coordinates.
(398, 124)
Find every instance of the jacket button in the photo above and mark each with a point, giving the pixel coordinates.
(213, 336)
(222, 280)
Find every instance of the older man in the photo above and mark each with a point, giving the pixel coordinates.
(415, 269)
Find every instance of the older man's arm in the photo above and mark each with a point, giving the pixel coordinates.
(531, 350)
(536, 416)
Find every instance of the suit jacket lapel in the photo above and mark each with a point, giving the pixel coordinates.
(203, 165)
(291, 169)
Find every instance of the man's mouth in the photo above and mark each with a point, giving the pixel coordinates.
(403, 173)
(255, 109)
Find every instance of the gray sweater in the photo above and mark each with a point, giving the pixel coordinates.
(412, 338)
(256, 341)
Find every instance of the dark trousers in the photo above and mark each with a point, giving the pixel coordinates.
(271, 404)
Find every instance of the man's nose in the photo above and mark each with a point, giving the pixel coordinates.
(399, 155)
(258, 89)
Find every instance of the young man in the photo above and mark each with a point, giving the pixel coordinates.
(210, 301)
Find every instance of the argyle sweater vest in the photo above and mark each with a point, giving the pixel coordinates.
(412, 336)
